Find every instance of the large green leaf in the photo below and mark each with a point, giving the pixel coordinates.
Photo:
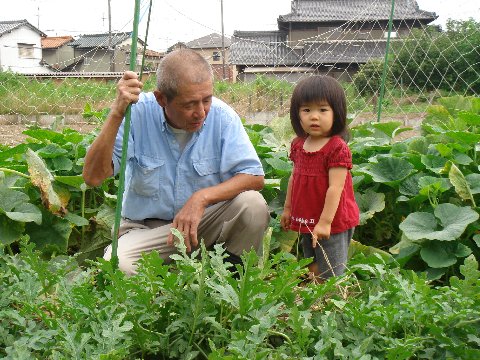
(281, 166)
(469, 118)
(447, 223)
(75, 180)
(460, 183)
(418, 145)
(437, 164)
(409, 186)
(369, 203)
(437, 254)
(62, 163)
(389, 128)
(26, 213)
(90, 248)
(46, 135)
(51, 151)
(463, 137)
(429, 183)
(462, 159)
(76, 219)
(473, 181)
(10, 231)
(357, 247)
(9, 199)
(52, 235)
(455, 104)
(389, 170)
(13, 152)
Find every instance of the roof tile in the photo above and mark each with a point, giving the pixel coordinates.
(354, 10)
(54, 42)
(100, 40)
(213, 40)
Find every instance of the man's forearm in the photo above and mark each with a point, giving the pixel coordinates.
(229, 189)
(98, 161)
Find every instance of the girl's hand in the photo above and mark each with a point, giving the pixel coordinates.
(285, 219)
(320, 232)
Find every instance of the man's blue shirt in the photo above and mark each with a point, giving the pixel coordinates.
(159, 178)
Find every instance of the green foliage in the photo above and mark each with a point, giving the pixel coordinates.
(414, 195)
(368, 79)
(43, 195)
(49, 97)
(429, 185)
(197, 309)
(431, 59)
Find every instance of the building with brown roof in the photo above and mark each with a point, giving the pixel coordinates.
(56, 52)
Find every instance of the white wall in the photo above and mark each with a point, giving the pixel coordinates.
(9, 55)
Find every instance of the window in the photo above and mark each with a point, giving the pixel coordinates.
(393, 34)
(216, 56)
(25, 51)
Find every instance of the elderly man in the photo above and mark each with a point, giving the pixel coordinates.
(190, 165)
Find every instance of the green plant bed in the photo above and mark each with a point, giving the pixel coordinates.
(197, 309)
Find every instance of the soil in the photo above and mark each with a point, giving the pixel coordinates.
(11, 134)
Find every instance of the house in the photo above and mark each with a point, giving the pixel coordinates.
(21, 48)
(56, 52)
(151, 61)
(325, 36)
(216, 51)
(177, 46)
(103, 52)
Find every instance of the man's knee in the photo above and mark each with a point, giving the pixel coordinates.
(125, 264)
(254, 208)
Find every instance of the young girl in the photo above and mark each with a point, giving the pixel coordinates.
(320, 202)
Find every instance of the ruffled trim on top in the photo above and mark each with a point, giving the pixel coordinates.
(306, 162)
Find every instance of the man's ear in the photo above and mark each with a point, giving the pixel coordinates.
(161, 99)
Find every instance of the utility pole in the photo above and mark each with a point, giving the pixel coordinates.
(38, 17)
(110, 37)
(223, 41)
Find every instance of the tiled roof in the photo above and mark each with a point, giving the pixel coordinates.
(54, 42)
(354, 10)
(213, 40)
(148, 52)
(359, 51)
(101, 40)
(266, 48)
(153, 53)
(8, 26)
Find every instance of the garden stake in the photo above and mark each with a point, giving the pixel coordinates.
(123, 164)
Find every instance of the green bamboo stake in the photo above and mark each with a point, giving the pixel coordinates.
(146, 36)
(385, 64)
(126, 132)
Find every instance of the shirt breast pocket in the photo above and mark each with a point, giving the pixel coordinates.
(207, 173)
(147, 176)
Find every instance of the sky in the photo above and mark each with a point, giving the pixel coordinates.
(180, 20)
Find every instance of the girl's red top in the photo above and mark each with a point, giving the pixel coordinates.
(310, 184)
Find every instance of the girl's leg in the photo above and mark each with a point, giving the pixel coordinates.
(308, 252)
(331, 255)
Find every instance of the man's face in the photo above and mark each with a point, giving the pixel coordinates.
(190, 107)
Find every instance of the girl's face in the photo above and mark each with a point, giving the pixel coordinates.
(316, 118)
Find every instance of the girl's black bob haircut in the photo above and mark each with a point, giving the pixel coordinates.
(315, 89)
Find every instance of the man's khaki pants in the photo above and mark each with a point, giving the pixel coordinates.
(239, 223)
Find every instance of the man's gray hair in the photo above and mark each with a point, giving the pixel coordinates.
(183, 65)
